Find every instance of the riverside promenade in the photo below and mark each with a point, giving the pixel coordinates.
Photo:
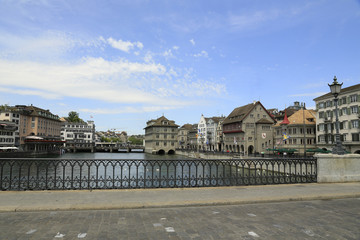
(22, 201)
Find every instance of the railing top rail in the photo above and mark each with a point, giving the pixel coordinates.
(157, 160)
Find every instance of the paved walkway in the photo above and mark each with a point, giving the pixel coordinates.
(153, 198)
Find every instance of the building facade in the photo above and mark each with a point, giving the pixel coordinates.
(39, 129)
(207, 133)
(248, 129)
(349, 117)
(11, 114)
(183, 136)
(79, 135)
(7, 133)
(161, 136)
(298, 132)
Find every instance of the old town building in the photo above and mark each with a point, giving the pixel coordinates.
(349, 119)
(7, 134)
(183, 136)
(248, 129)
(161, 136)
(78, 135)
(39, 129)
(296, 133)
(207, 133)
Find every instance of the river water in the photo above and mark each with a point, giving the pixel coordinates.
(111, 170)
(118, 156)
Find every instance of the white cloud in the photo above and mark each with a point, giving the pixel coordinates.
(201, 54)
(110, 81)
(128, 109)
(176, 47)
(125, 46)
(192, 41)
(254, 19)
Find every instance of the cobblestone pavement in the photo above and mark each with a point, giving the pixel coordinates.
(331, 219)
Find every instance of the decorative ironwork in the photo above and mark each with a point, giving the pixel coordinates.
(52, 174)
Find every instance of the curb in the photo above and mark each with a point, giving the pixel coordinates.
(123, 206)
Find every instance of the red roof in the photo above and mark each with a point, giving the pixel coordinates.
(285, 121)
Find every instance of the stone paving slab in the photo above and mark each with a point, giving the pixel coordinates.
(11, 201)
(320, 219)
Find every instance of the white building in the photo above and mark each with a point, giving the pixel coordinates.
(349, 115)
(78, 135)
(207, 133)
(7, 134)
(12, 115)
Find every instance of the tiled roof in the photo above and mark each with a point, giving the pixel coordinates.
(342, 91)
(297, 118)
(187, 126)
(159, 123)
(239, 113)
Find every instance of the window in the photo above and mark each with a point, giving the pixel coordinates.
(294, 130)
(328, 103)
(353, 98)
(265, 127)
(355, 123)
(355, 137)
(321, 127)
(321, 114)
(157, 143)
(354, 109)
(321, 105)
(344, 111)
(345, 124)
(343, 100)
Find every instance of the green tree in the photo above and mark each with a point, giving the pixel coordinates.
(74, 117)
(135, 141)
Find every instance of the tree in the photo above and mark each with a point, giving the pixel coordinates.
(74, 117)
(135, 141)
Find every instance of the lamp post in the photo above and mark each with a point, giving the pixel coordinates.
(335, 88)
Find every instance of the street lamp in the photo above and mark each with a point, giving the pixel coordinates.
(335, 88)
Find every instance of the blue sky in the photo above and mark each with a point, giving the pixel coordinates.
(126, 62)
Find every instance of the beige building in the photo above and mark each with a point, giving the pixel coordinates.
(183, 136)
(297, 132)
(349, 119)
(38, 129)
(248, 129)
(161, 136)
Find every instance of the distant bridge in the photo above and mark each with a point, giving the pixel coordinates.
(107, 147)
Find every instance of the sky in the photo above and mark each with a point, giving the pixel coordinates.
(122, 63)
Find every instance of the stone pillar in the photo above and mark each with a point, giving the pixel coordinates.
(338, 168)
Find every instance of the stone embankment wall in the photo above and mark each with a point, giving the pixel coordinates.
(200, 155)
(338, 168)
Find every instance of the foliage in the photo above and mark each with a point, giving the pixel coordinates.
(4, 107)
(135, 140)
(74, 117)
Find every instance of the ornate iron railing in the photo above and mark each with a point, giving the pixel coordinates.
(53, 174)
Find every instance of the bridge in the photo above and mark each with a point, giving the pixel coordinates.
(107, 147)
